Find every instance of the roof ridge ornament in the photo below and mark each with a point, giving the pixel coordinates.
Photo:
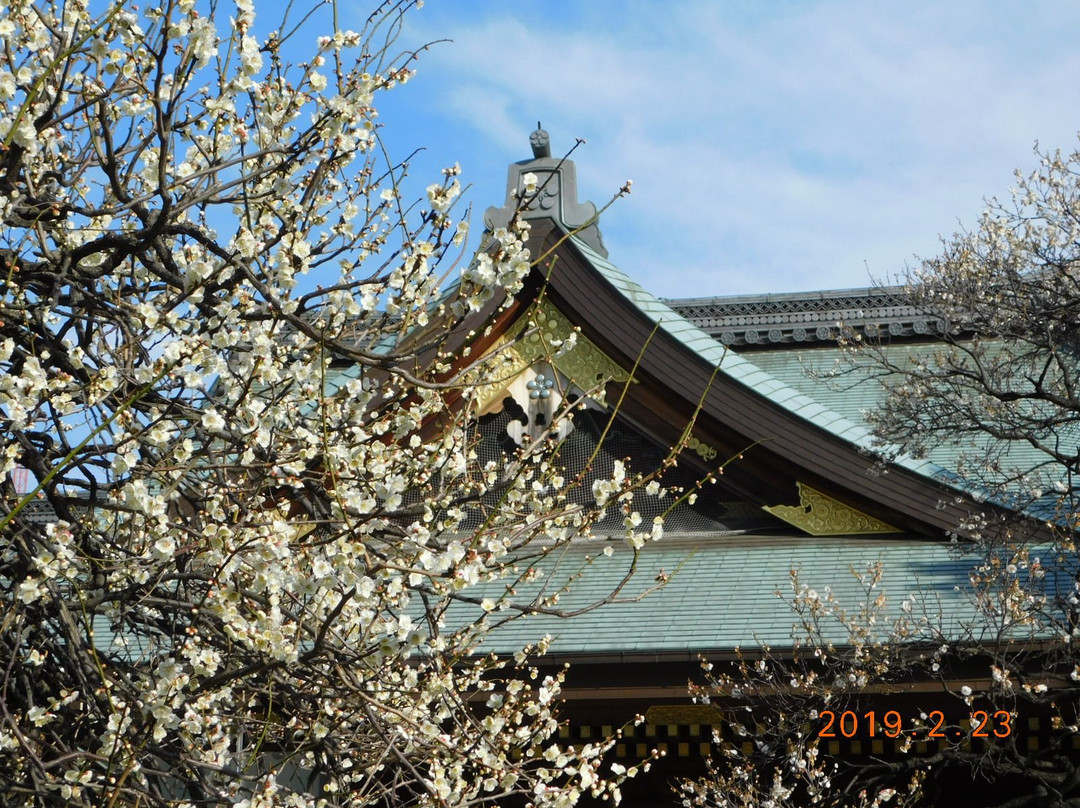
(540, 142)
(551, 193)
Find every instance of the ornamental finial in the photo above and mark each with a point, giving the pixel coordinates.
(550, 193)
(540, 142)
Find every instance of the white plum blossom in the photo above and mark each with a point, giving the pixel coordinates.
(992, 396)
(227, 374)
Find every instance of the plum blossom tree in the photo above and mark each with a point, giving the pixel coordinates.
(233, 374)
(999, 387)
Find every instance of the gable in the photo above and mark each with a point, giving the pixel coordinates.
(782, 436)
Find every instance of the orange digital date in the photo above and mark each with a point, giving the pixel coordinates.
(849, 724)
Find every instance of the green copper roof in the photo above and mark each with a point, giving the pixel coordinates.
(746, 371)
(854, 389)
(723, 593)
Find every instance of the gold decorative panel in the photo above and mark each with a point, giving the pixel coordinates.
(554, 340)
(511, 364)
(685, 714)
(706, 451)
(820, 515)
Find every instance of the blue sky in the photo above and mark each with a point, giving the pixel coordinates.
(774, 146)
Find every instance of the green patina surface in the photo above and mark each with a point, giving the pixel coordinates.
(791, 379)
(853, 389)
(722, 592)
(800, 400)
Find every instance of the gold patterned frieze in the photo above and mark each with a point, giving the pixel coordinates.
(510, 366)
(550, 337)
(684, 714)
(821, 515)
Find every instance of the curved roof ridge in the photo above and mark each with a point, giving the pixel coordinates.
(815, 294)
(739, 368)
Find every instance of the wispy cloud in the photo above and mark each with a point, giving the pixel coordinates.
(772, 146)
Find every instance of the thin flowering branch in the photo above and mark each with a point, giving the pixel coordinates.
(994, 398)
(254, 563)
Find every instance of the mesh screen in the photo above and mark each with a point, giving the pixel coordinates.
(716, 509)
